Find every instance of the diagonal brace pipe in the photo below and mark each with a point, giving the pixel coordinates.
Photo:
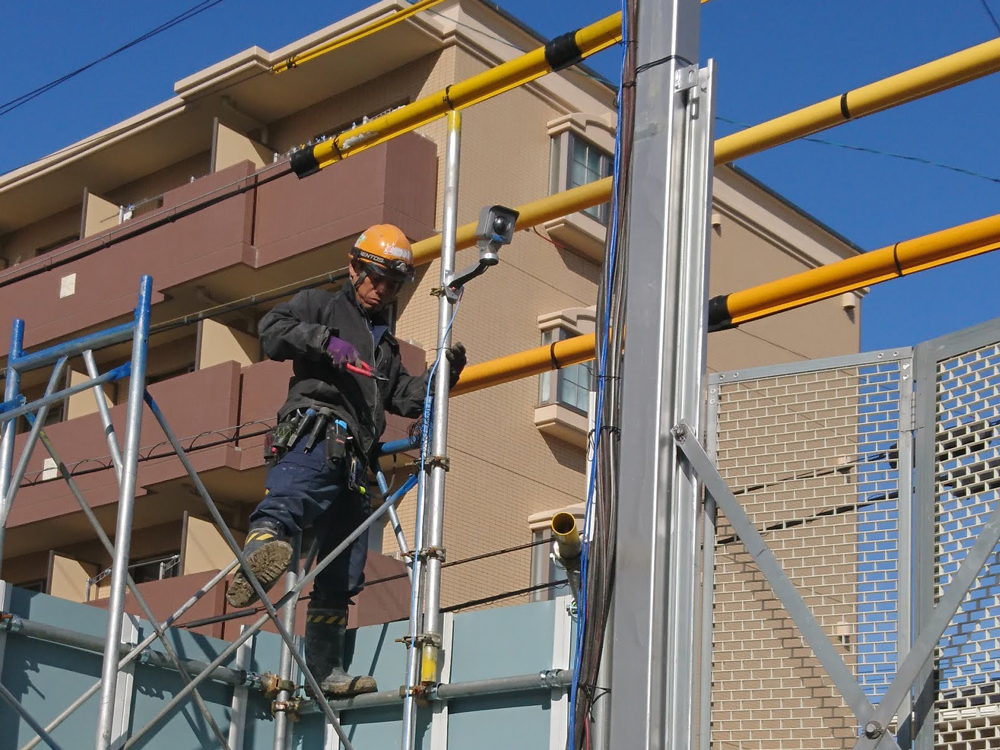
(140, 599)
(930, 635)
(135, 652)
(35, 726)
(782, 586)
(259, 623)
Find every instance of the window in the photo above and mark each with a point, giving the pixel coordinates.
(568, 386)
(587, 163)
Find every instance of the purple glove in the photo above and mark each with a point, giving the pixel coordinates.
(342, 352)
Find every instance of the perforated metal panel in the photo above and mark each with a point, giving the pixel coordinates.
(812, 454)
(966, 482)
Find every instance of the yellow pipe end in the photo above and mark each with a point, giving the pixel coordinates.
(565, 531)
(429, 664)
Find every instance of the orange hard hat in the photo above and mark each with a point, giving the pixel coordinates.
(386, 246)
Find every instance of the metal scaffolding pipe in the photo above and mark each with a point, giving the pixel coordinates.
(158, 629)
(7, 502)
(126, 504)
(64, 637)
(28, 719)
(890, 262)
(546, 680)
(102, 409)
(282, 730)
(12, 387)
(433, 546)
(563, 51)
(259, 622)
(140, 648)
(227, 535)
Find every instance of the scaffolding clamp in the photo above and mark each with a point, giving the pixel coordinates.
(290, 708)
(423, 639)
(443, 461)
(271, 684)
(10, 622)
(432, 553)
(550, 678)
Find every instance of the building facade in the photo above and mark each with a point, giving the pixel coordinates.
(186, 193)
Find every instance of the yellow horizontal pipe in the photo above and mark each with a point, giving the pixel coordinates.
(375, 26)
(530, 215)
(944, 73)
(508, 75)
(525, 364)
(908, 257)
(926, 79)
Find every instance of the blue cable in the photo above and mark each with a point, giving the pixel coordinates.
(599, 407)
(429, 399)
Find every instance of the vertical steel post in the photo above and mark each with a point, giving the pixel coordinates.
(904, 468)
(241, 696)
(923, 539)
(426, 518)
(658, 540)
(10, 391)
(433, 549)
(126, 503)
(282, 735)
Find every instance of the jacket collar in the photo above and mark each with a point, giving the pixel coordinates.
(379, 318)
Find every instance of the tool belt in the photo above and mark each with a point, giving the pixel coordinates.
(314, 425)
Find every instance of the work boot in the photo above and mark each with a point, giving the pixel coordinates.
(268, 553)
(326, 632)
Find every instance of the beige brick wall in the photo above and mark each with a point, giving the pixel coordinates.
(788, 448)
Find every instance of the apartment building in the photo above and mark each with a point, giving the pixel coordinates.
(186, 192)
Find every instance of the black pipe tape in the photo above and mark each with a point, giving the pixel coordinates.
(843, 107)
(304, 163)
(718, 310)
(563, 51)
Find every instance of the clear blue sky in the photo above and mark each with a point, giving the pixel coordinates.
(773, 56)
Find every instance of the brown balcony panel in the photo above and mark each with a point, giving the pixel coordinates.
(205, 401)
(394, 182)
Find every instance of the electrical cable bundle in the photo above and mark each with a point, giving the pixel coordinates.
(598, 558)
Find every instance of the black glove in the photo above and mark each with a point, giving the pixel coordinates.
(456, 356)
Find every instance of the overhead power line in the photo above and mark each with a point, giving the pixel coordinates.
(191, 12)
(878, 152)
(993, 18)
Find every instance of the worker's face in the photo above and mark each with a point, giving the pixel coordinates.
(376, 289)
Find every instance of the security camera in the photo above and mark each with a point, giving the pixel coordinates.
(495, 229)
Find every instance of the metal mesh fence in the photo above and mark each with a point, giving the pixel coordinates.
(812, 456)
(966, 481)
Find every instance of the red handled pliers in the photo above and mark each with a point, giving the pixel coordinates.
(362, 368)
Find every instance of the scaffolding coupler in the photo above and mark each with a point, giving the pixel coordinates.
(271, 684)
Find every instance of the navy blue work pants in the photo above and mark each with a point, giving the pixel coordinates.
(304, 490)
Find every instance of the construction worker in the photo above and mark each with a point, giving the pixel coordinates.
(347, 374)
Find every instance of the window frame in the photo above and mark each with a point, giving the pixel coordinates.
(550, 383)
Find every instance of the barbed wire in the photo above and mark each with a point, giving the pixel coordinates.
(146, 453)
